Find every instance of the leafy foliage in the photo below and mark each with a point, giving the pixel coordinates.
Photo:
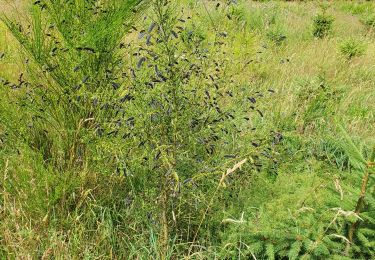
(297, 225)
(352, 48)
(70, 69)
(184, 129)
(159, 112)
(322, 25)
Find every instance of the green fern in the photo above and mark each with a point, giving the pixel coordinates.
(355, 155)
(270, 251)
(295, 249)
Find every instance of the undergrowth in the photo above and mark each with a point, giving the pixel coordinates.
(186, 129)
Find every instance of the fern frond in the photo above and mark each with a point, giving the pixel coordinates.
(270, 251)
(295, 250)
(321, 250)
(353, 152)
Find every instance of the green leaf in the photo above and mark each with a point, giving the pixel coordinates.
(294, 250)
(270, 251)
(355, 156)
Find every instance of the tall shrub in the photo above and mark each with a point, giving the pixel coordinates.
(158, 106)
(186, 118)
(72, 50)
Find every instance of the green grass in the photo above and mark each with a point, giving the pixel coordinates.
(295, 205)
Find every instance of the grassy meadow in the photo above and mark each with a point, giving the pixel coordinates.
(187, 130)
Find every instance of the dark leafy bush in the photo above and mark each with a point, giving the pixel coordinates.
(322, 25)
(185, 119)
(163, 112)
